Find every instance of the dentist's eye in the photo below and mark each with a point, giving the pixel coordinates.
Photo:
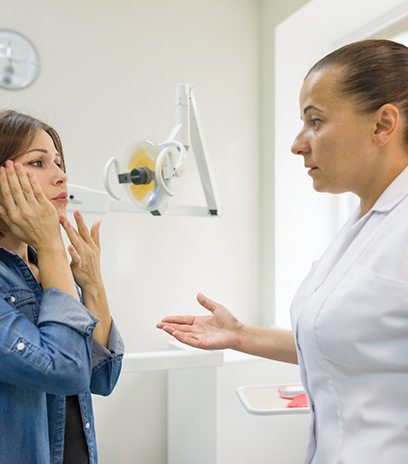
(315, 123)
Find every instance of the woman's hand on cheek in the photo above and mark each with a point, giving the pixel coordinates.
(24, 208)
(84, 250)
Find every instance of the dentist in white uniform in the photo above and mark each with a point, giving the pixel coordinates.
(350, 315)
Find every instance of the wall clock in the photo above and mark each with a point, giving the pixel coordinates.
(19, 60)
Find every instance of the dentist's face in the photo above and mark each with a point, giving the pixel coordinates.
(335, 140)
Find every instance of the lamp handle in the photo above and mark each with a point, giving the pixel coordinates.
(106, 171)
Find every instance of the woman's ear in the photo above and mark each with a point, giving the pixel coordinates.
(387, 120)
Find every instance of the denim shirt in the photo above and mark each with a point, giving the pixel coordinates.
(46, 353)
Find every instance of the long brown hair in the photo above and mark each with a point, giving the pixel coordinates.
(17, 131)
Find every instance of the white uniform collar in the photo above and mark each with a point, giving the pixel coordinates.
(393, 194)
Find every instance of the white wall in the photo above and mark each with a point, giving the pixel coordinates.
(305, 221)
(272, 13)
(108, 77)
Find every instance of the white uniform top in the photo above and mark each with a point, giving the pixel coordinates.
(350, 320)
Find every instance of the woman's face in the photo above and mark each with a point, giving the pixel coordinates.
(336, 139)
(43, 160)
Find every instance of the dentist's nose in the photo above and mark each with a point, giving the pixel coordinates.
(300, 146)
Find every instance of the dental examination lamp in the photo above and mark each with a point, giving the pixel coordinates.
(148, 170)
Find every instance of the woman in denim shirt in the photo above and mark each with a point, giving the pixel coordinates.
(57, 344)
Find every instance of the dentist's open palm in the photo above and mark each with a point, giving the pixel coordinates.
(218, 331)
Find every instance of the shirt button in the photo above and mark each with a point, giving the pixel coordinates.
(20, 346)
(13, 299)
(87, 425)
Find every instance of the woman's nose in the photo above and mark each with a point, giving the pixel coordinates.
(60, 176)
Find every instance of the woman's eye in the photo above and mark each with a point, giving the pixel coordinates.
(36, 164)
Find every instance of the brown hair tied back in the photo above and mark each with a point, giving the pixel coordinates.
(375, 73)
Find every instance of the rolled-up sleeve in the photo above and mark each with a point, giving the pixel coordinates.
(107, 363)
(59, 307)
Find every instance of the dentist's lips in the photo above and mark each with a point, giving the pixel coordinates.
(311, 169)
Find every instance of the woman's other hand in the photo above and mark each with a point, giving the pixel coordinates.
(84, 250)
(218, 331)
(85, 254)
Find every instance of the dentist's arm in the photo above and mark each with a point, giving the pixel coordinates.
(222, 330)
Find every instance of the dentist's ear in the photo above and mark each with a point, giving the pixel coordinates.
(387, 120)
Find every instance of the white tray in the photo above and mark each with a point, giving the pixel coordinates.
(264, 400)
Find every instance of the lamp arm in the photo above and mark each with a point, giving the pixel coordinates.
(199, 150)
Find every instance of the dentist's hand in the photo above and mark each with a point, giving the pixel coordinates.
(218, 331)
(25, 209)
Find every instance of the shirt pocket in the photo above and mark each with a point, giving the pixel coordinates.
(377, 282)
(363, 324)
(25, 341)
(24, 301)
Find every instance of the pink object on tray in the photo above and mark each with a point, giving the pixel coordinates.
(298, 401)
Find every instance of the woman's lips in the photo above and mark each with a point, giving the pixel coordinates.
(61, 198)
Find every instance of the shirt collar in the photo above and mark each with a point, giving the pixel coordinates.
(393, 194)
(32, 254)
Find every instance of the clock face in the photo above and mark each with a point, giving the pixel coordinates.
(19, 60)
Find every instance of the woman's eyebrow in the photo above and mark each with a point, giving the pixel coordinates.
(41, 150)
